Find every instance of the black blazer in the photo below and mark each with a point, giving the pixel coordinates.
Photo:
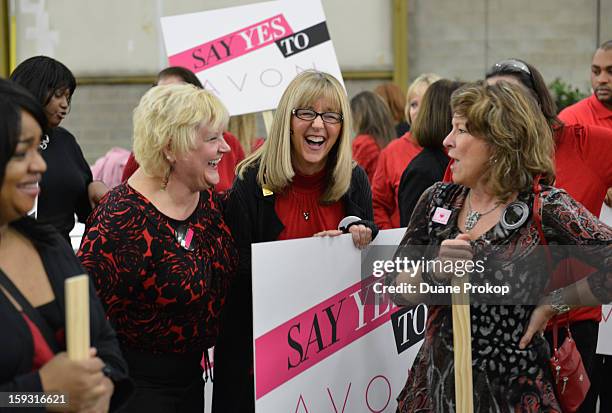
(252, 218)
(423, 171)
(17, 346)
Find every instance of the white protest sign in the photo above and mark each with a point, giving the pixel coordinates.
(320, 345)
(604, 342)
(247, 55)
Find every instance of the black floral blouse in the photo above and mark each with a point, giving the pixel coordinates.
(159, 296)
(505, 378)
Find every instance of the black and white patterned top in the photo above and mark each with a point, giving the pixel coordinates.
(505, 377)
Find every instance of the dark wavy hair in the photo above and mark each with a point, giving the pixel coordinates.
(14, 99)
(42, 76)
(434, 120)
(510, 122)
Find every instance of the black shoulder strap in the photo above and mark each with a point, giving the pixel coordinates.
(30, 311)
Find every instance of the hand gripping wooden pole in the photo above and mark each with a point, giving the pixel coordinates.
(77, 317)
(462, 344)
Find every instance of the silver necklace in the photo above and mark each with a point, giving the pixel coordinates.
(473, 217)
(44, 142)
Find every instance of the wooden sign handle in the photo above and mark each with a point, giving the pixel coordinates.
(77, 317)
(462, 344)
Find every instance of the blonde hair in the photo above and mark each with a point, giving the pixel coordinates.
(511, 122)
(418, 87)
(274, 157)
(166, 121)
(244, 127)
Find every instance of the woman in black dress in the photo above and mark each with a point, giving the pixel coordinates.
(67, 188)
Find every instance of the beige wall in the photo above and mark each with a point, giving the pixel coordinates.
(455, 38)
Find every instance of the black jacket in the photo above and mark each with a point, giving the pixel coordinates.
(423, 171)
(252, 218)
(17, 346)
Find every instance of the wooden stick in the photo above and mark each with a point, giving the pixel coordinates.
(268, 115)
(77, 317)
(462, 344)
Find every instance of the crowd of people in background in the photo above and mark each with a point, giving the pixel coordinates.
(168, 238)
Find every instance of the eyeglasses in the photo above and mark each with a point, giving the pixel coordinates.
(311, 115)
(509, 63)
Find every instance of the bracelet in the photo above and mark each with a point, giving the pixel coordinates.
(556, 302)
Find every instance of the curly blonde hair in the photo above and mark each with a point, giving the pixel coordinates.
(166, 121)
(512, 124)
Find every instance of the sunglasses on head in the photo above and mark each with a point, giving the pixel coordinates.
(506, 64)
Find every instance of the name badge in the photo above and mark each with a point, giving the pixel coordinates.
(441, 215)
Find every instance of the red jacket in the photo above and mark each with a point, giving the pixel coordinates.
(393, 159)
(583, 164)
(227, 166)
(366, 152)
(589, 111)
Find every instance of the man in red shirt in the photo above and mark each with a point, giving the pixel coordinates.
(597, 108)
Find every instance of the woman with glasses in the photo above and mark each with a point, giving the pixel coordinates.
(67, 188)
(159, 251)
(583, 166)
(300, 183)
(496, 214)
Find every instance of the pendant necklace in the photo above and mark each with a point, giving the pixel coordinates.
(306, 215)
(473, 216)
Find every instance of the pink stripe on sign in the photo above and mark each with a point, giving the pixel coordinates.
(233, 45)
(317, 333)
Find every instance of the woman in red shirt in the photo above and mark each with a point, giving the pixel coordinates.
(373, 125)
(395, 158)
(300, 183)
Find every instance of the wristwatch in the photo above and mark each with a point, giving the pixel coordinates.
(556, 302)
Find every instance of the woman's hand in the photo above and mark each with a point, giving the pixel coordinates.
(95, 191)
(361, 234)
(537, 323)
(103, 403)
(454, 250)
(82, 381)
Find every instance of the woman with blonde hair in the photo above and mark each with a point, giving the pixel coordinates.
(374, 128)
(159, 251)
(395, 158)
(502, 208)
(244, 127)
(301, 183)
